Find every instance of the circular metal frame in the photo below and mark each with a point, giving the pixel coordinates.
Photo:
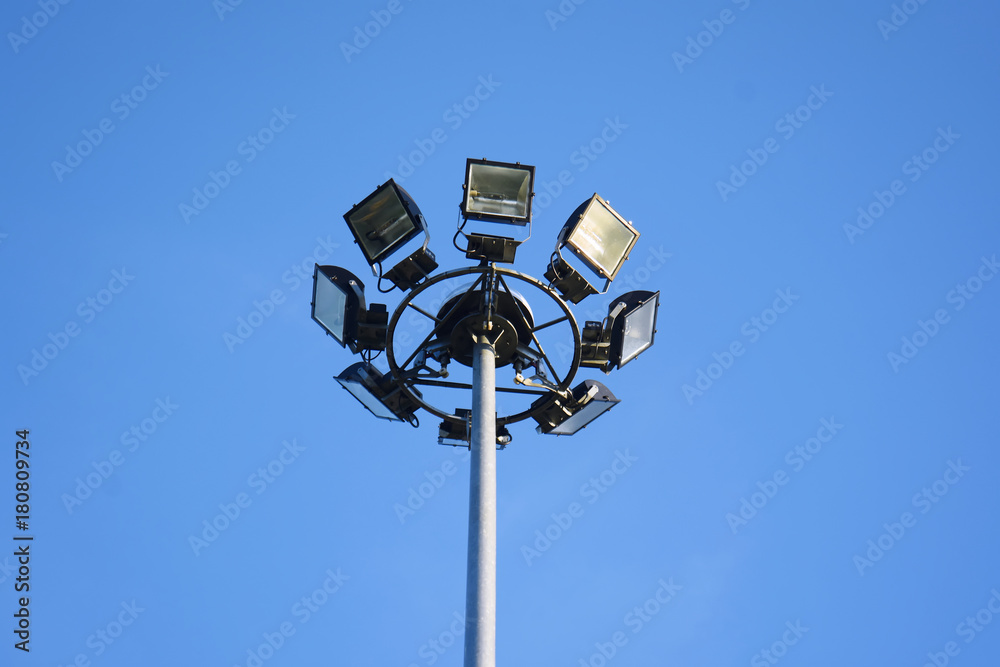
(482, 271)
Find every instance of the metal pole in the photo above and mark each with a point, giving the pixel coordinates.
(481, 583)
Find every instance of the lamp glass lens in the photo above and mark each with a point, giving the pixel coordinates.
(368, 399)
(330, 307)
(588, 413)
(494, 190)
(602, 239)
(637, 334)
(380, 224)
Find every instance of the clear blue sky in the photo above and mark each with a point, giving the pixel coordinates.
(827, 494)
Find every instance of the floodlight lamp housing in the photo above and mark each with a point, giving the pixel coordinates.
(634, 327)
(337, 300)
(599, 236)
(379, 393)
(498, 191)
(569, 414)
(338, 306)
(384, 221)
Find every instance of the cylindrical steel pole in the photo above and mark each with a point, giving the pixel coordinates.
(481, 583)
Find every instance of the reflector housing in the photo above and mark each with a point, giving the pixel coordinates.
(498, 191)
(379, 394)
(384, 221)
(633, 330)
(336, 301)
(589, 400)
(599, 236)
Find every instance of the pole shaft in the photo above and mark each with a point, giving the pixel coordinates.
(481, 584)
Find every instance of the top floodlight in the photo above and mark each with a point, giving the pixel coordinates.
(384, 221)
(338, 305)
(599, 236)
(498, 191)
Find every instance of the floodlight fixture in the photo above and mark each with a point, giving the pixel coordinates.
(498, 191)
(599, 236)
(569, 414)
(457, 434)
(634, 327)
(379, 393)
(384, 221)
(626, 333)
(338, 305)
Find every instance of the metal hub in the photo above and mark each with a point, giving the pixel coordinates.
(464, 312)
(500, 332)
(504, 318)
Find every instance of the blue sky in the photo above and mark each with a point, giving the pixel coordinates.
(800, 470)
